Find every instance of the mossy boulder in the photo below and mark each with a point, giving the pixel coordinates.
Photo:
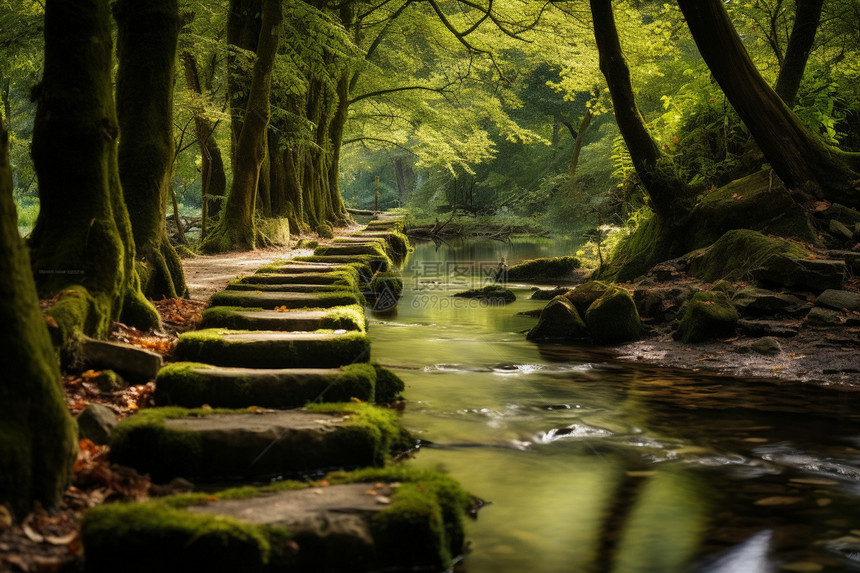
(324, 230)
(334, 523)
(205, 445)
(397, 244)
(545, 269)
(613, 317)
(238, 318)
(806, 274)
(559, 320)
(494, 294)
(391, 283)
(192, 385)
(738, 253)
(585, 294)
(759, 202)
(271, 300)
(709, 315)
(267, 349)
(634, 254)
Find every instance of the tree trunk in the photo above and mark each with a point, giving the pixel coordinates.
(237, 230)
(213, 178)
(148, 31)
(243, 32)
(38, 438)
(336, 128)
(579, 139)
(809, 168)
(82, 244)
(807, 17)
(666, 193)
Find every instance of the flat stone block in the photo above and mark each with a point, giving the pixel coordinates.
(254, 287)
(336, 318)
(132, 363)
(268, 349)
(331, 278)
(271, 300)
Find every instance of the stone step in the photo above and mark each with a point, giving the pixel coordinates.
(191, 385)
(386, 225)
(336, 318)
(208, 445)
(292, 266)
(395, 519)
(270, 349)
(337, 250)
(253, 287)
(373, 263)
(333, 278)
(271, 300)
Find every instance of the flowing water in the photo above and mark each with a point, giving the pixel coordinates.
(590, 464)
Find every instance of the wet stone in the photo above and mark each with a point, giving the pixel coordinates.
(839, 299)
(767, 328)
(762, 301)
(767, 346)
(820, 316)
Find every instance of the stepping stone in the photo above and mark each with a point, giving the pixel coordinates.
(362, 240)
(386, 225)
(299, 278)
(295, 267)
(191, 385)
(131, 362)
(370, 249)
(373, 262)
(253, 287)
(271, 300)
(269, 349)
(394, 519)
(210, 445)
(239, 318)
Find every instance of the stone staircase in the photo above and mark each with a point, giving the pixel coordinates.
(278, 384)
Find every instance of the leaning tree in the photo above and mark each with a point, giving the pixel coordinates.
(82, 246)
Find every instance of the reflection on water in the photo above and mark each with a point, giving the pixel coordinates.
(595, 465)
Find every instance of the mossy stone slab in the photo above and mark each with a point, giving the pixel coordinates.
(371, 249)
(210, 445)
(254, 287)
(374, 263)
(296, 278)
(335, 318)
(297, 267)
(191, 385)
(269, 349)
(271, 300)
(388, 519)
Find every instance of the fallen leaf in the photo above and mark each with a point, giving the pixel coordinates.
(63, 539)
(51, 322)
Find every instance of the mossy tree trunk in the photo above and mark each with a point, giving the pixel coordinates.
(809, 168)
(148, 31)
(237, 229)
(38, 438)
(668, 196)
(807, 17)
(82, 246)
(213, 177)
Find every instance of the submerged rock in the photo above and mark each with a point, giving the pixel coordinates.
(613, 317)
(709, 315)
(558, 320)
(490, 293)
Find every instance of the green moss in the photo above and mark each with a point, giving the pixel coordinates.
(613, 317)
(193, 384)
(387, 282)
(347, 277)
(585, 294)
(306, 244)
(302, 350)
(737, 253)
(544, 269)
(372, 249)
(558, 320)
(634, 254)
(389, 385)
(254, 287)
(324, 230)
(348, 317)
(289, 300)
(275, 230)
(386, 225)
(708, 315)
(374, 263)
(491, 293)
(184, 541)
(370, 422)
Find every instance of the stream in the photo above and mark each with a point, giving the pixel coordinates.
(591, 464)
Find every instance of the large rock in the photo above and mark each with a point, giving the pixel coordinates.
(585, 294)
(96, 423)
(543, 270)
(238, 318)
(839, 299)
(192, 385)
(709, 315)
(613, 317)
(559, 320)
(737, 254)
(661, 304)
(394, 519)
(808, 274)
(549, 294)
(132, 363)
(757, 301)
(205, 445)
(851, 258)
(269, 349)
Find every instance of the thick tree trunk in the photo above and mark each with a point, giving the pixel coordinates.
(213, 177)
(808, 167)
(807, 17)
(237, 230)
(82, 244)
(579, 140)
(336, 129)
(244, 21)
(38, 438)
(147, 36)
(667, 195)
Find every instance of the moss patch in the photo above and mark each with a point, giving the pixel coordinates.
(558, 320)
(585, 294)
(613, 317)
(737, 253)
(372, 262)
(273, 350)
(634, 254)
(709, 315)
(275, 230)
(270, 300)
(350, 317)
(545, 269)
(389, 385)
